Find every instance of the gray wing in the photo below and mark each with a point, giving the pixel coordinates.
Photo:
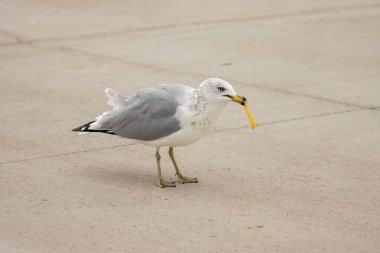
(149, 115)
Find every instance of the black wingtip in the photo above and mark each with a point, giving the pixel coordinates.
(83, 128)
(76, 129)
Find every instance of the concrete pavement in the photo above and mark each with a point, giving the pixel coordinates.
(306, 180)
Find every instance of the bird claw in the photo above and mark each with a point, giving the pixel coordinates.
(163, 183)
(184, 180)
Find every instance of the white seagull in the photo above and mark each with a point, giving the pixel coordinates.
(170, 115)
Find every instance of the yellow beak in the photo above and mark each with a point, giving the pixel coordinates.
(243, 102)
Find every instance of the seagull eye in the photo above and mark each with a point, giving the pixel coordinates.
(221, 89)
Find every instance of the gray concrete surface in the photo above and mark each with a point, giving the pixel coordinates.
(306, 180)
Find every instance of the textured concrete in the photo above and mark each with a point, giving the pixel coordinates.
(306, 180)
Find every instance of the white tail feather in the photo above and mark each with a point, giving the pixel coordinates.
(115, 99)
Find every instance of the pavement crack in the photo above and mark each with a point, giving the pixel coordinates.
(291, 120)
(289, 92)
(310, 117)
(122, 60)
(17, 38)
(65, 154)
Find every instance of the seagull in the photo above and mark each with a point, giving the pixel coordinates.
(167, 116)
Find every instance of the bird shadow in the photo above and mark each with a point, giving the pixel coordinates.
(120, 176)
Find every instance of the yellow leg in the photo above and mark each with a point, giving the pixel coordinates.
(160, 181)
(181, 178)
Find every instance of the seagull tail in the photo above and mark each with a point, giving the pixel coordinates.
(86, 128)
(115, 99)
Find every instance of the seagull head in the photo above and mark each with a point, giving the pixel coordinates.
(221, 92)
(218, 90)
